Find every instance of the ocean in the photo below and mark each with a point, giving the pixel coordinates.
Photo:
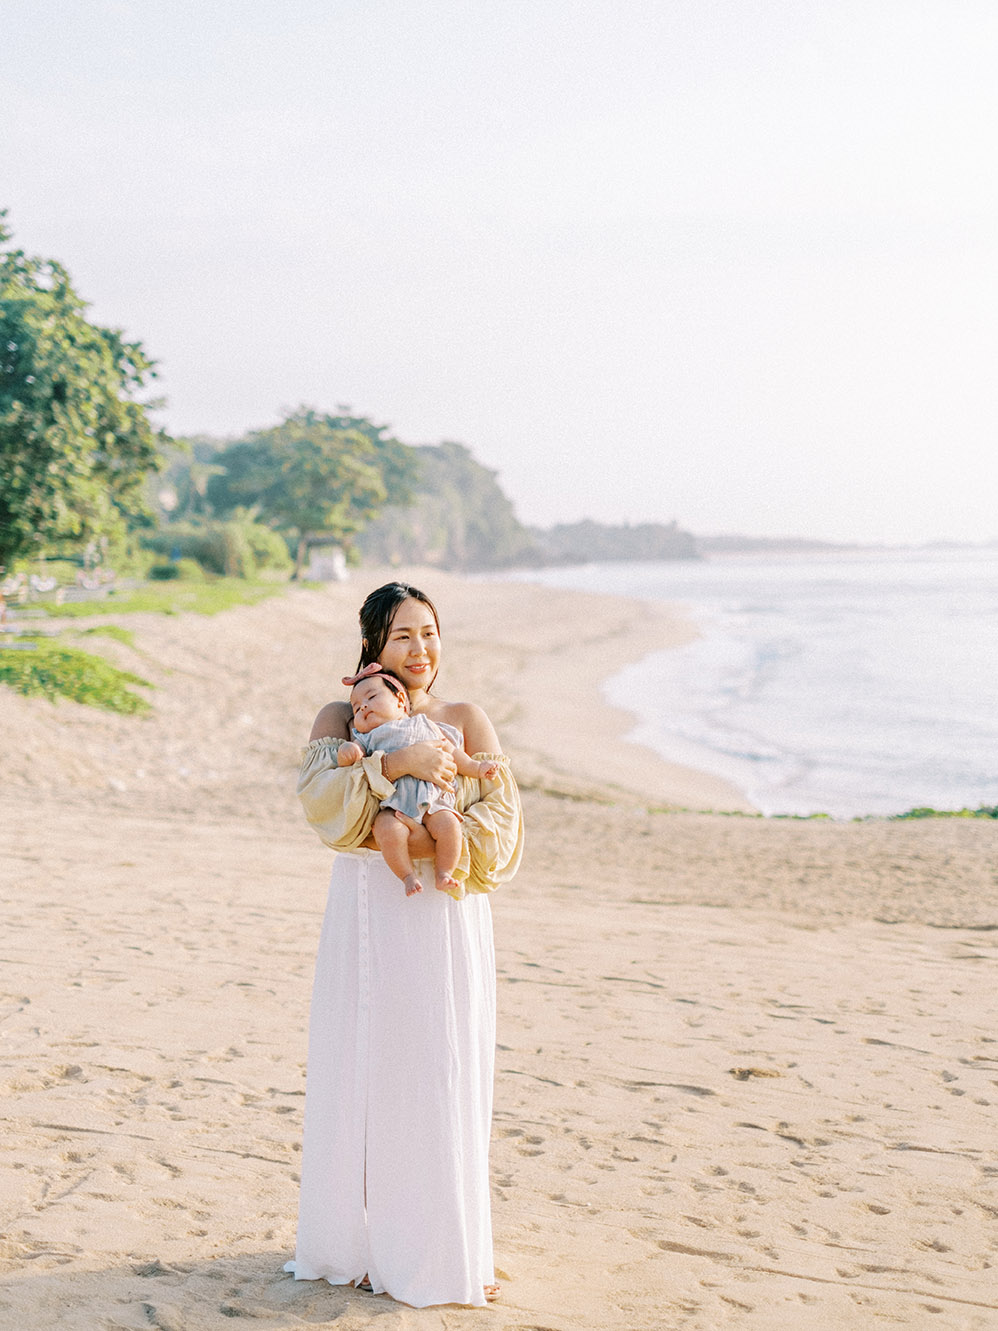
(841, 683)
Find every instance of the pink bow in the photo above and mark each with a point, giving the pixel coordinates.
(372, 669)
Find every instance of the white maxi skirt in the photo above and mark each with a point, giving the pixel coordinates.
(398, 1099)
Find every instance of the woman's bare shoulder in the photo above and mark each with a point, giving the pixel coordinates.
(473, 723)
(452, 712)
(333, 722)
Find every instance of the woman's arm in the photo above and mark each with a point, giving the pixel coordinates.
(340, 803)
(466, 765)
(333, 722)
(491, 827)
(429, 760)
(479, 733)
(492, 823)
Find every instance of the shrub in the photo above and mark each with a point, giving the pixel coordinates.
(164, 572)
(235, 549)
(189, 570)
(185, 540)
(270, 550)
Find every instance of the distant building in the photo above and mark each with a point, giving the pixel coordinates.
(327, 563)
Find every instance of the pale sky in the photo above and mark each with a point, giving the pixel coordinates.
(733, 262)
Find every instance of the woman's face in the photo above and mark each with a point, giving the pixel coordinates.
(412, 650)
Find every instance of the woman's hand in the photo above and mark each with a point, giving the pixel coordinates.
(429, 760)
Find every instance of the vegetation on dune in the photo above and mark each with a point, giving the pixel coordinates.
(985, 811)
(50, 669)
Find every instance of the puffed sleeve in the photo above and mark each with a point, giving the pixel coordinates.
(341, 803)
(492, 827)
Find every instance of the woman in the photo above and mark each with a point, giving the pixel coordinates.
(395, 1187)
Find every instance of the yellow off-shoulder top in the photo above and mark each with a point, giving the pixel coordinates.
(341, 803)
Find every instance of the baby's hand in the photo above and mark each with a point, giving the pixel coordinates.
(487, 770)
(348, 754)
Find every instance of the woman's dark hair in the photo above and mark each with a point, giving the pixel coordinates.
(377, 613)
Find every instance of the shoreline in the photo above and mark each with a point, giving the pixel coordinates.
(564, 733)
(788, 695)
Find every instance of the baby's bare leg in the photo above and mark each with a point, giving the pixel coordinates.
(444, 827)
(392, 837)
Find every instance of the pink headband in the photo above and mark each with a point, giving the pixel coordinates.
(374, 671)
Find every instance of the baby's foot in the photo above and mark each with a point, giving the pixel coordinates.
(445, 883)
(412, 885)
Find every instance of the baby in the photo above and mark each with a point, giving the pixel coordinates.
(382, 720)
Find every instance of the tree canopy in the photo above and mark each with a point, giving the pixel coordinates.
(76, 443)
(315, 476)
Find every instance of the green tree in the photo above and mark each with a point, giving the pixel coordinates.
(398, 462)
(315, 476)
(76, 444)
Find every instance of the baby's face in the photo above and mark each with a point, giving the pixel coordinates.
(374, 703)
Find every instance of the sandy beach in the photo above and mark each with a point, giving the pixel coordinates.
(747, 1070)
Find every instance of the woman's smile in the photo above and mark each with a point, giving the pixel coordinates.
(418, 674)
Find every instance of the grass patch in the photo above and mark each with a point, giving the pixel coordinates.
(170, 598)
(108, 631)
(985, 811)
(47, 669)
(802, 817)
